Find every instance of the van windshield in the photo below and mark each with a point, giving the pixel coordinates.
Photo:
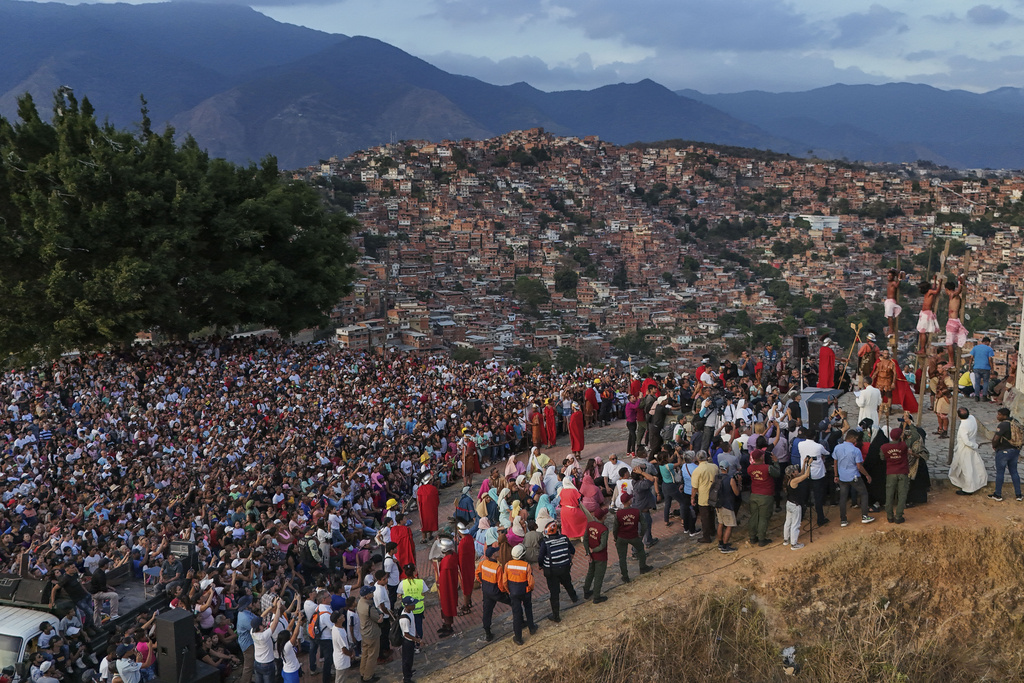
(10, 648)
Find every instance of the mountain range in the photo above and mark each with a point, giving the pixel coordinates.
(246, 86)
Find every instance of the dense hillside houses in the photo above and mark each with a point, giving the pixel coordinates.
(690, 246)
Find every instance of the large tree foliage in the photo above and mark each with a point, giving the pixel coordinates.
(104, 233)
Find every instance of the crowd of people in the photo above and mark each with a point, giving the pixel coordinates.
(294, 470)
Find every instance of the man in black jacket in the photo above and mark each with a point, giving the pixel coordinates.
(556, 552)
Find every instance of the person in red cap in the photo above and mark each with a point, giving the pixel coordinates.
(897, 476)
(626, 531)
(762, 496)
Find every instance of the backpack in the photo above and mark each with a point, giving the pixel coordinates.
(668, 431)
(1016, 433)
(313, 629)
(716, 487)
(310, 553)
(396, 635)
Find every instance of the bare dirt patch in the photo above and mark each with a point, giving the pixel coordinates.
(938, 599)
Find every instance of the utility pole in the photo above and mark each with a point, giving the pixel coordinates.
(956, 367)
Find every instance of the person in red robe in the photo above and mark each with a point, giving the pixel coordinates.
(402, 537)
(635, 385)
(903, 393)
(650, 382)
(826, 365)
(590, 405)
(536, 426)
(574, 521)
(467, 567)
(550, 424)
(427, 498)
(448, 587)
(576, 429)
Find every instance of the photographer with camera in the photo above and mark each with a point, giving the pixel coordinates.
(808, 448)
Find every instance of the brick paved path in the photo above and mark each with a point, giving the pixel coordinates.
(674, 545)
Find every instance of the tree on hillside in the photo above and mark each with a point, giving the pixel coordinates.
(566, 280)
(531, 292)
(567, 358)
(106, 233)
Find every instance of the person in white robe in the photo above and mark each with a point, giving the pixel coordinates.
(869, 400)
(967, 471)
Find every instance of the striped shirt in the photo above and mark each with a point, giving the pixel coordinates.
(556, 551)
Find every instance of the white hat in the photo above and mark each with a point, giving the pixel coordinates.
(871, 336)
(518, 551)
(826, 341)
(426, 479)
(205, 583)
(45, 666)
(73, 630)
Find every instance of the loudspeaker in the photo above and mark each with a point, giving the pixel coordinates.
(33, 591)
(187, 553)
(176, 646)
(8, 586)
(817, 410)
(800, 347)
(206, 673)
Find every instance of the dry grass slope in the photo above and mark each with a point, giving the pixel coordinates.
(943, 605)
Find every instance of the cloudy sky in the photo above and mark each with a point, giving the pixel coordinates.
(709, 45)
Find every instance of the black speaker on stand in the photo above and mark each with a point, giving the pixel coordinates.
(176, 646)
(801, 349)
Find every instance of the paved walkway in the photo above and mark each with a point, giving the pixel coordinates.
(674, 545)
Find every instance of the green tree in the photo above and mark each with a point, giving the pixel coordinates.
(566, 280)
(566, 358)
(531, 292)
(107, 233)
(465, 354)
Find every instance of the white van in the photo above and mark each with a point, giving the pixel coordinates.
(19, 629)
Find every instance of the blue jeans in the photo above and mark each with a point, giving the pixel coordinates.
(1007, 458)
(265, 673)
(648, 533)
(981, 382)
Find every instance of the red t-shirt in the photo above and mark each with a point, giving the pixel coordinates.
(761, 481)
(895, 456)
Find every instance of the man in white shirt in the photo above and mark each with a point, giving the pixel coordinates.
(326, 644)
(341, 646)
(809, 449)
(610, 471)
(382, 601)
(263, 642)
(393, 570)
